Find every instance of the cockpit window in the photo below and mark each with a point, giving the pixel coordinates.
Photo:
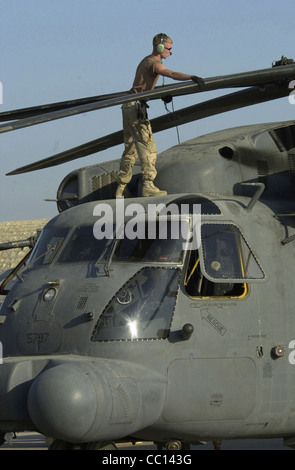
(164, 245)
(142, 309)
(47, 246)
(226, 255)
(83, 247)
(223, 265)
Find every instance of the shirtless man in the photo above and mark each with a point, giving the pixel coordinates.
(138, 136)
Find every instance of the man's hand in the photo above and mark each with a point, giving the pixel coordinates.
(200, 82)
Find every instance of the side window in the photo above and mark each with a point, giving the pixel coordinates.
(227, 255)
(223, 265)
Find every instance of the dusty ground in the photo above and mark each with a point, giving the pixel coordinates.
(13, 231)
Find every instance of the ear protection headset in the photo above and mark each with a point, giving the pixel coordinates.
(160, 47)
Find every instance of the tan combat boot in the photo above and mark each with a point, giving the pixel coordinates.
(123, 191)
(120, 190)
(149, 189)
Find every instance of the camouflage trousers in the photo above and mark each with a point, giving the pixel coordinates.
(139, 143)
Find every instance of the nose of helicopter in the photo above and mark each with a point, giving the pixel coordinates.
(63, 401)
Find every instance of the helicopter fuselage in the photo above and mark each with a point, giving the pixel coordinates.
(153, 340)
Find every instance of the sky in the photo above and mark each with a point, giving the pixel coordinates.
(55, 50)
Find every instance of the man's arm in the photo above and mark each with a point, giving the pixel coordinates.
(161, 70)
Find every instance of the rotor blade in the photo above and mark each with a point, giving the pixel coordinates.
(208, 108)
(245, 79)
(47, 108)
(51, 107)
(223, 104)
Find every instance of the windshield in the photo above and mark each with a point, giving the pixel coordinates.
(47, 246)
(81, 246)
(163, 241)
(164, 245)
(84, 247)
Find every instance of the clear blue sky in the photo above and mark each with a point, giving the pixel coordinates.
(53, 50)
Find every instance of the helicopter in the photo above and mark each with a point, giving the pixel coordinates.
(166, 319)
